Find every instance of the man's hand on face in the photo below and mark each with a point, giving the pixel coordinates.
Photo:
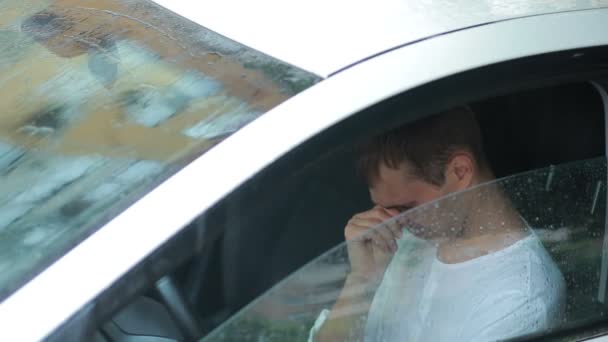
(371, 241)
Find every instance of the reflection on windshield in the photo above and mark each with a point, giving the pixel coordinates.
(101, 100)
(548, 277)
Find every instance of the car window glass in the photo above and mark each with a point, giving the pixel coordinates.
(102, 100)
(543, 270)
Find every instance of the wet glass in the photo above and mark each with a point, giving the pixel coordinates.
(101, 101)
(535, 264)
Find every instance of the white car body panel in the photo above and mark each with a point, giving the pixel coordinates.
(326, 36)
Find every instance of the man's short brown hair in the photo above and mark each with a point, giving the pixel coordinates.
(426, 145)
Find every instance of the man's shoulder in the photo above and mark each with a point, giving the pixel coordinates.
(528, 266)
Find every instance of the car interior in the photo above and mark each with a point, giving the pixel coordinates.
(276, 224)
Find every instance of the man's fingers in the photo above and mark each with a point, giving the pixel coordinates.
(369, 222)
(381, 235)
(355, 232)
(391, 224)
(392, 212)
(396, 228)
(384, 242)
(389, 211)
(387, 236)
(377, 212)
(374, 223)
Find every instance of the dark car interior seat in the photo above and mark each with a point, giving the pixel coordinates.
(542, 127)
(552, 126)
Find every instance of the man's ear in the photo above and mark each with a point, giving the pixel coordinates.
(459, 172)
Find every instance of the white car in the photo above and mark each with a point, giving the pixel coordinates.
(178, 170)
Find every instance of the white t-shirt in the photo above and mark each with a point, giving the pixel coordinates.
(512, 292)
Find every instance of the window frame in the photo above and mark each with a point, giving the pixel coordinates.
(421, 102)
(304, 116)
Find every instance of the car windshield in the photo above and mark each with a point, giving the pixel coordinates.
(101, 100)
(545, 269)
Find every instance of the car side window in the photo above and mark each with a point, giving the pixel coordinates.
(564, 207)
(539, 268)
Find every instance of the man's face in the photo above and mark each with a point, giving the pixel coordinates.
(399, 189)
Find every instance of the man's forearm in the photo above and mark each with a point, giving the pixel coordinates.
(348, 315)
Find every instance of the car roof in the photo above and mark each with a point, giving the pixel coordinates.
(324, 37)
